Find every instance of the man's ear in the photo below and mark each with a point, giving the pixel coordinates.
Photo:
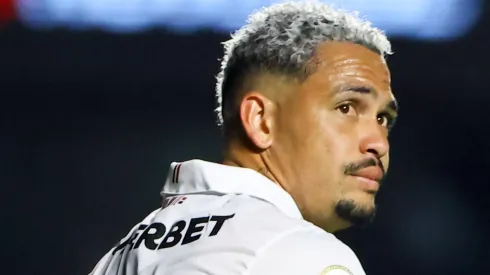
(256, 115)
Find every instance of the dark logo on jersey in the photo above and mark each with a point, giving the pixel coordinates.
(181, 232)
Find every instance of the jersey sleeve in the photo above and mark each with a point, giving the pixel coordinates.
(306, 252)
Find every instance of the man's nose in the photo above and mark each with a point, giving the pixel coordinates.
(373, 140)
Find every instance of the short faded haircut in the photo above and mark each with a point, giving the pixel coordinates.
(283, 39)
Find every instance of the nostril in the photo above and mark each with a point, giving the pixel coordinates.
(374, 152)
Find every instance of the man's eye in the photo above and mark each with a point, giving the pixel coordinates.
(385, 120)
(346, 109)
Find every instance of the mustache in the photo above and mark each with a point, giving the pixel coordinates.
(353, 168)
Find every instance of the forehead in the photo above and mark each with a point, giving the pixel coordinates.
(349, 62)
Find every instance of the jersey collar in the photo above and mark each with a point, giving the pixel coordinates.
(197, 176)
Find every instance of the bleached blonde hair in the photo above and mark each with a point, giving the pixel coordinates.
(283, 38)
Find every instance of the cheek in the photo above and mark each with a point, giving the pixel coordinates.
(386, 161)
(327, 147)
(305, 141)
(298, 125)
(338, 137)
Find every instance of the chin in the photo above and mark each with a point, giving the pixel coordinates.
(356, 212)
(360, 201)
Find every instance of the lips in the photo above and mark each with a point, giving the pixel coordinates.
(370, 173)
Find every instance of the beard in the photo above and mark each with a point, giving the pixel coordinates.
(348, 209)
(352, 212)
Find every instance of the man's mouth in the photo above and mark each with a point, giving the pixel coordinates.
(374, 173)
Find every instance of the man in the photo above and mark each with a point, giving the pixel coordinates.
(306, 107)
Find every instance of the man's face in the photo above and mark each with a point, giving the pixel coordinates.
(332, 136)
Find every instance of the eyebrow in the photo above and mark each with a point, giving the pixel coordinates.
(392, 105)
(357, 89)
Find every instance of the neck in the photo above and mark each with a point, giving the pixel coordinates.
(260, 161)
(240, 157)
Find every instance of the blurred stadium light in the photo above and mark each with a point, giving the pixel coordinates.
(416, 19)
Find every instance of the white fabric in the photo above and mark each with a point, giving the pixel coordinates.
(229, 220)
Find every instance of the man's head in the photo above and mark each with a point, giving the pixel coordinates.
(305, 91)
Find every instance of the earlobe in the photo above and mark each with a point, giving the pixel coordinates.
(256, 116)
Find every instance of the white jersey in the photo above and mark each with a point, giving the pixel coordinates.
(224, 220)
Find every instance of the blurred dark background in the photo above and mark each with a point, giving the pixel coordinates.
(90, 121)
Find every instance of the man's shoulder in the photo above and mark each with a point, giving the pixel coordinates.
(310, 241)
(278, 230)
(306, 250)
(283, 244)
(261, 221)
(261, 218)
